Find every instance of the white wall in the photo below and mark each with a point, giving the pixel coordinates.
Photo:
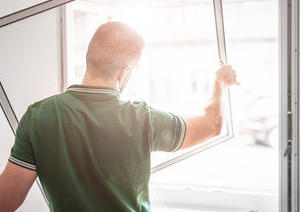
(29, 71)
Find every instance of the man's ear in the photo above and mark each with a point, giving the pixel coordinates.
(123, 72)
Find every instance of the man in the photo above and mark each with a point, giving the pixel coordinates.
(90, 149)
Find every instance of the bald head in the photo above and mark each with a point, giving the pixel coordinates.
(113, 47)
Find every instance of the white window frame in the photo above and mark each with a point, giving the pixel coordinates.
(289, 33)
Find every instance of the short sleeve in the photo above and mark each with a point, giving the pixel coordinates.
(168, 131)
(22, 150)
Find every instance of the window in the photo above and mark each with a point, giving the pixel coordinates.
(240, 175)
(172, 75)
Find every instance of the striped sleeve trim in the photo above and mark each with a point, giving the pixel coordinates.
(182, 134)
(22, 163)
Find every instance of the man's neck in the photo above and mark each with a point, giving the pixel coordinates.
(99, 82)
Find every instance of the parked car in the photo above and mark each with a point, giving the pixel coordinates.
(261, 121)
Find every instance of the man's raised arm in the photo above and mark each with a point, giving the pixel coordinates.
(201, 128)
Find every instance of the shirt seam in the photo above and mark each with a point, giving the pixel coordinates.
(95, 90)
(182, 134)
(21, 163)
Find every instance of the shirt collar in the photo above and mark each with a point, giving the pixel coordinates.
(93, 89)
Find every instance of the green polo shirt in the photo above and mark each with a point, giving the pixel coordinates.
(92, 150)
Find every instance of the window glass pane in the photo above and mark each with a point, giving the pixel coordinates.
(173, 75)
(243, 173)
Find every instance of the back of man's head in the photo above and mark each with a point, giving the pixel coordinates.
(115, 45)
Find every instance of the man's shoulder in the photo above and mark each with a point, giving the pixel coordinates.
(138, 109)
(39, 109)
(135, 105)
(46, 102)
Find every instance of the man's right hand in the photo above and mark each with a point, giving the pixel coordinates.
(227, 76)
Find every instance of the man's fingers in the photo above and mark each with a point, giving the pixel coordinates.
(234, 77)
(226, 67)
(236, 82)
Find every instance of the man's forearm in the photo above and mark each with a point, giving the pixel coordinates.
(213, 110)
(15, 182)
(5, 198)
(202, 128)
